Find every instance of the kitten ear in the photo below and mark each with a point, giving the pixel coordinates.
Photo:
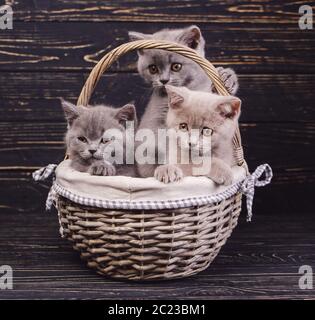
(175, 96)
(229, 107)
(133, 36)
(193, 39)
(71, 111)
(127, 113)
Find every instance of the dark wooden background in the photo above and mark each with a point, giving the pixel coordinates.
(54, 45)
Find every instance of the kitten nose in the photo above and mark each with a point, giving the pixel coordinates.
(164, 81)
(92, 151)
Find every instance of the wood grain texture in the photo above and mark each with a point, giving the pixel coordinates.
(188, 11)
(25, 147)
(34, 96)
(260, 260)
(78, 46)
(48, 54)
(33, 144)
(20, 194)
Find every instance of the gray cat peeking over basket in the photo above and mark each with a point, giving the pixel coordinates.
(86, 139)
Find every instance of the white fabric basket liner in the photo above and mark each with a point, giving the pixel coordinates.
(120, 192)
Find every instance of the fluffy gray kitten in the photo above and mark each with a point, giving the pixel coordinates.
(160, 67)
(86, 137)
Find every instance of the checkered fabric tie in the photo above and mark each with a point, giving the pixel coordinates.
(252, 181)
(43, 174)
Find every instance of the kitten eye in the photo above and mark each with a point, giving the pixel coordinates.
(82, 139)
(153, 69)
(207, 131)
(176, 67)
(103, 140)
(183, 126)
(107, 140)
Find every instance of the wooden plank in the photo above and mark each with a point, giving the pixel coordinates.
(78, 46)
(33, 96)
(48, 54)
(34, 144)
(228, 287)
(260, 260)
(188, 11)
(287, 147)
(20, 194)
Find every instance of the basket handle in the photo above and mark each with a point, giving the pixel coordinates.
(113, 55)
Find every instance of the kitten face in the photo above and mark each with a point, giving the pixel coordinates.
(202, 120)
(86, 138)
(160, 67)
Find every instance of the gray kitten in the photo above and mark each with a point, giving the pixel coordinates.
(159, 68)
(86, 137)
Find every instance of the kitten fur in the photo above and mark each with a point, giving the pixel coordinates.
(85, 140)
(202, 111)
(190, 75)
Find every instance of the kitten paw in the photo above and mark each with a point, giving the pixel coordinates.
(229, 79)
(168, 173)
(222, 176)
(101, 168)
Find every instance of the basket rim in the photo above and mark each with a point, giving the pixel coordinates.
(149, 204)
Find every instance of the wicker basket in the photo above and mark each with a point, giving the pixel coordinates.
(151, 244)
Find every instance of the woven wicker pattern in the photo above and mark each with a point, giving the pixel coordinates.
(150, 244)
(155, 245)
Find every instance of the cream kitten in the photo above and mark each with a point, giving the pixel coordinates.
(203, 122)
